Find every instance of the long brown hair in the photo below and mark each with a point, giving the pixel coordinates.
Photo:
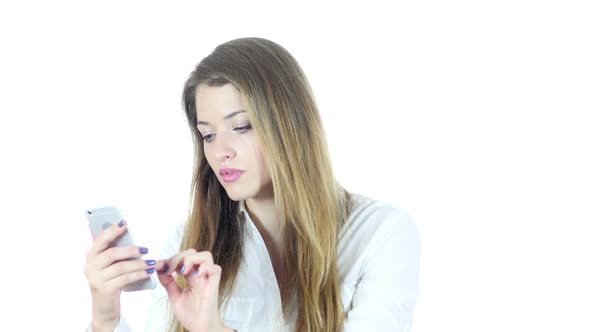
(311, 204)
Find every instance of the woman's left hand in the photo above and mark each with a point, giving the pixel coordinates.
(195, 307)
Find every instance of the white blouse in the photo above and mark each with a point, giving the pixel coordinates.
(378, 264)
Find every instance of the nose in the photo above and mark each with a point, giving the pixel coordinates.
(224, 151)
(222, 156)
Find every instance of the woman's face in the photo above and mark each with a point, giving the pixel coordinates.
(231, 145)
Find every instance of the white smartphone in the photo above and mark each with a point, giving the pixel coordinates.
(100, 219)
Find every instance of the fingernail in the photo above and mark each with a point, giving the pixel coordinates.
(150, 270)
(196, 272)
(121, 223)
(151, 262)
(182, 269)
(165, 269)
(143, 250)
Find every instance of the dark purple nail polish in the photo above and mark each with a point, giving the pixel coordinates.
(196, 272)
(143, 250)
(150, 270)
(150, 262)
(165, 269)
(182, 269)
(121, 223)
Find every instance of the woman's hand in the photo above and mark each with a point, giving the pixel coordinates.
(108, 270)
(195, 307)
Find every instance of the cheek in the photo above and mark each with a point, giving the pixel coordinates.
(263, 164)
(208, 156)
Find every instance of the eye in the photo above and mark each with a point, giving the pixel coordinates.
(207, 138)
(243, 129)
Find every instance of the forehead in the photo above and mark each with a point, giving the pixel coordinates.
(215, 101)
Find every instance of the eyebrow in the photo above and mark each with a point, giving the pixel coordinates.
(229, 116)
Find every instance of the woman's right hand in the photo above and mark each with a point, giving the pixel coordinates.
(108, 270)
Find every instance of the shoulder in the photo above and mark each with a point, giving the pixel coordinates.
(378, 265)
(375, 228)
(373, 219)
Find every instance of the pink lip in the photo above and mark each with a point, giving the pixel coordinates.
(230, 174)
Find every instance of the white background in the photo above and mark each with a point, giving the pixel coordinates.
(469, 115)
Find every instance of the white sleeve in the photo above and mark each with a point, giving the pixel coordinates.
(387, 290)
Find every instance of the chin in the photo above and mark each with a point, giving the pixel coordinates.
(236, 195)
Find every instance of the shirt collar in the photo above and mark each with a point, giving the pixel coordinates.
(249, 225)
(242, 207)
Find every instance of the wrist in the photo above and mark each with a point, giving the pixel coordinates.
(102, 321)
(100, 326)
(221, 328)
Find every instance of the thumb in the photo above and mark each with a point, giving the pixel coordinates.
(168, 282)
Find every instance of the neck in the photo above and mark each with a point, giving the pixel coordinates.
(265, 217)
(263, 213)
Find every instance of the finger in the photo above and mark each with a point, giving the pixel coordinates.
(104, 239)
(161, 266)
(191, 262)
(174, 262)
(167, 280)
(210, 272)
(214, 275)
(125, 279)
(126, 267)
(115, 254)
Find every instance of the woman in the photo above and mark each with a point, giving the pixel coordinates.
(272, 242)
